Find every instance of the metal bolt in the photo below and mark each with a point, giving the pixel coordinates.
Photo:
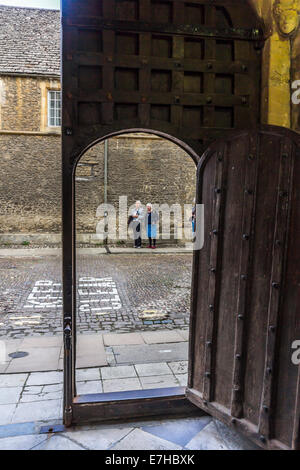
(249, 191)
(215, 232)
(211, 308)
(209, 343)
(266, 409)
(209, 65)
(244, 100)
(238, 356)
(284, 155)
(269, 370)
(205, 403)
(244, 277)
(272, 328)
(283, 193)
(213, 270)
(244, 68)
(278, 242)
(220, 158)
(262, 438)
(246, 237)
(275, 285)
(251, 157)
(233, 421)
(69, 131)
(241, 317)
(218, 190)
(209, 99)
(207, 374)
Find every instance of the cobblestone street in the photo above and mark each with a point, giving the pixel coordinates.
(116, 293)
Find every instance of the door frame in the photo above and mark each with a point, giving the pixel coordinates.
(116, 405)
(78, 135)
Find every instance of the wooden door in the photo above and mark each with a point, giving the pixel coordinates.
(246, 287)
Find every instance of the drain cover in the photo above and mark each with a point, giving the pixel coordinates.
(18, 355)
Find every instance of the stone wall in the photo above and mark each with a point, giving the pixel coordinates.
(144, 168)
(149, 169)
(30, 186)
(24, 103)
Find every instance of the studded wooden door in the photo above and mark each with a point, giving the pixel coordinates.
(188, 71)
(246, 287)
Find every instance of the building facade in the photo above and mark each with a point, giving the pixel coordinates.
(139, 166)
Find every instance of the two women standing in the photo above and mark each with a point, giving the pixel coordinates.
(149, 220)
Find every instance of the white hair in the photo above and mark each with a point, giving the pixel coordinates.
(149, 205)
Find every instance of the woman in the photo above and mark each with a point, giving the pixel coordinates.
(135, 222)
(151, 220)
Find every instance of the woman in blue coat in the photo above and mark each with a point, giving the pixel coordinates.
(151, 220)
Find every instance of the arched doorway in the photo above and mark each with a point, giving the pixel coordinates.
(190, 70)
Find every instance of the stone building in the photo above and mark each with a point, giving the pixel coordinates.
(30, 128)
(139, 166)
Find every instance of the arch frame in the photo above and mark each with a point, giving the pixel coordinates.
(187, 118)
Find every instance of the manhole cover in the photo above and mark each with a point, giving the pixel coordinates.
(18, 355)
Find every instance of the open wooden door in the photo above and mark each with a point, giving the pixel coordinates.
(246, 287)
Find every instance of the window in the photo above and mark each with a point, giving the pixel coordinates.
(54, 108)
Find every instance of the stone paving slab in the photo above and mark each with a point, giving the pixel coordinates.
(22, 442)
(38, 411)
(98, 439)
(140, 440)
(207, 439)
(39, 359)
(121, 385)
(148, 370)
(120, 372)
(159, 337)
(121, 339)
(46, 353)
(160, 381)
(90, 351)
(151, 353)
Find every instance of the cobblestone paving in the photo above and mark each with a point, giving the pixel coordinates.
(118, 293)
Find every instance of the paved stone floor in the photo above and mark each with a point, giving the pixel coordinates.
(30, 401)
(124, 349)
(116, 293)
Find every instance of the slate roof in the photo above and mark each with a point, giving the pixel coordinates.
(29, 41)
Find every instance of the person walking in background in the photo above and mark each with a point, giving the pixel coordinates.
(137, 216)
(151, 220)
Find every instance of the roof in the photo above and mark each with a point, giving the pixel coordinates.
(29, 41)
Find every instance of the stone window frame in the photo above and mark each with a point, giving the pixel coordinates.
(46, 85)
(56, 91)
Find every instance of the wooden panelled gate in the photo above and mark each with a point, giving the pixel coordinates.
(190, 71)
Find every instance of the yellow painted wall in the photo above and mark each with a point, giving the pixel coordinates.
(282, 26)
